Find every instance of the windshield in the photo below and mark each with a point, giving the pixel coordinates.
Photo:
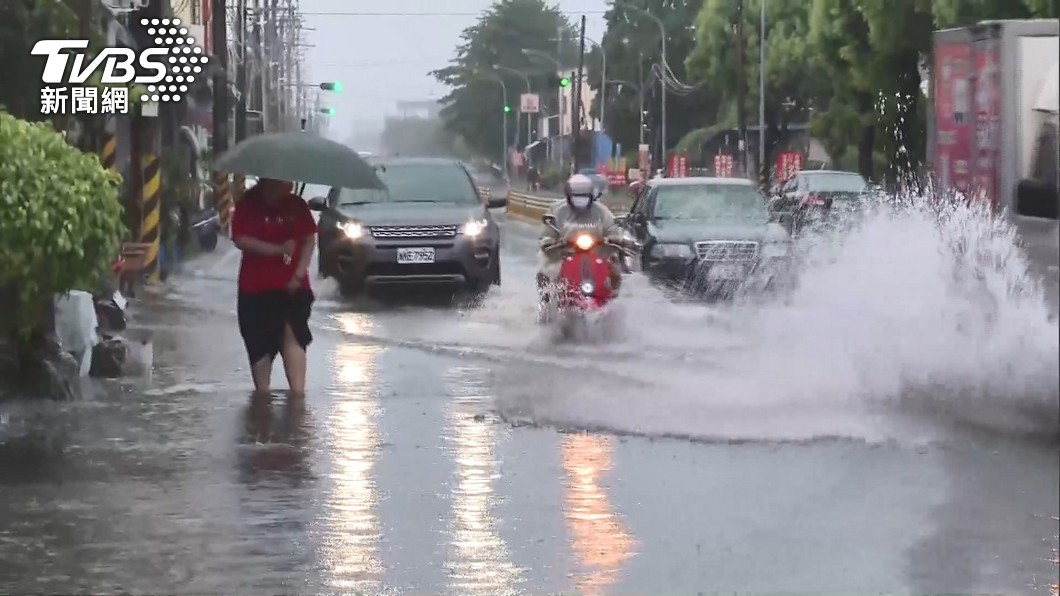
(836, 183)
(415, 183)
(725, 202)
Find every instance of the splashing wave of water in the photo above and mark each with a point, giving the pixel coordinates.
(919, 312)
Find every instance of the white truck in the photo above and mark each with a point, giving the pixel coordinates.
(992, 127)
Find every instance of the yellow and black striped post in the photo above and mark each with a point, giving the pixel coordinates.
(152, 215)
(222, 193)
(109, 154)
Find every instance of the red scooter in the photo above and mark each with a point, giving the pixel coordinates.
(584, 284)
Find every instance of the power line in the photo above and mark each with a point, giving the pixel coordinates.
(425, 14)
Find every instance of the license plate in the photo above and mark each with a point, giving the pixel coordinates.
(727, 271)
(412, 256)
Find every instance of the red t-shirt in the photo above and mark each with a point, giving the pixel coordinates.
(290, 219)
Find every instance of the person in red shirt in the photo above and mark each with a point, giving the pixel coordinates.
(275, 230)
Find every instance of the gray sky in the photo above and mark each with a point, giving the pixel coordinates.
(383, 59)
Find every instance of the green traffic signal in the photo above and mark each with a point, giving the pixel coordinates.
(564, 82)
(507, 109)
(331, 86)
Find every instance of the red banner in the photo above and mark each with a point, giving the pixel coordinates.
(953, 106)
(678, 166)
(723, 165)
(988, 106)
(789, 163)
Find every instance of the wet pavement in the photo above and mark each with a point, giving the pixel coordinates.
(442, 450)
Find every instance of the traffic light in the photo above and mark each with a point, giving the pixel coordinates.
(507, 109)
(331, 86)
(327, 111)
(557, 81)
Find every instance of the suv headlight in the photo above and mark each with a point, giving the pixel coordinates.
(352, 229)
(474, 227)
(680, 251)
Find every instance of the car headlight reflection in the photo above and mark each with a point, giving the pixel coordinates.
(352, 229)
(679, 251)
(474, 227)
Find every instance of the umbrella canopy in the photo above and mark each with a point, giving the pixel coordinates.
(299, 157)
(1049, 96)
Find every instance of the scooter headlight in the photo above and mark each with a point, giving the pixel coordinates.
(587, 288)
(584, 241)
(352, 229)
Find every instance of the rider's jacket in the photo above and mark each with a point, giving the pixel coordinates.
(595, 218)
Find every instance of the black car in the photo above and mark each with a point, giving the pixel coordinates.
(708, 235)
(815, 196)
(429, 227)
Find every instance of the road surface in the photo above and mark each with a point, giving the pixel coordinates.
(443, 450)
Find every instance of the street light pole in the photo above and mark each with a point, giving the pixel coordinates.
(662, 36)
(526, 79)
(762, 95)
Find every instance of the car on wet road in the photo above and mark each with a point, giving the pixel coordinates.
(708, 236)
(428, 228)
(812, 197)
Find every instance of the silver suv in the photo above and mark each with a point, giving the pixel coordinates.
(430, 227)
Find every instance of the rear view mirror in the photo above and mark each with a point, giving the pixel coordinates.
(496, 202)
(622, 219)
(550, 220)
(318, 204)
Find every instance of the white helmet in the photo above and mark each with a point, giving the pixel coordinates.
(580, 191)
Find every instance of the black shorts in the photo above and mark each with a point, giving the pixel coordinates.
(262, 316)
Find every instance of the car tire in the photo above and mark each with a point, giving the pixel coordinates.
(495, 269)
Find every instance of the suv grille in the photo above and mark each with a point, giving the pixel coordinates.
(727, 250)
(413, 231)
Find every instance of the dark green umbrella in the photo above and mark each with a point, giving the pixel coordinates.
(299, 157)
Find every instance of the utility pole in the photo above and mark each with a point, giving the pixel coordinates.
(241, 72)
(560, 37)
(576, 110)
(741, 87)
(220, 78)
(763, 171)
(640, 93)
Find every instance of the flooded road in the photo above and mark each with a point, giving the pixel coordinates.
(446, 451)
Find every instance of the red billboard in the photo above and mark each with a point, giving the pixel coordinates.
(988, 120)
(953, 118)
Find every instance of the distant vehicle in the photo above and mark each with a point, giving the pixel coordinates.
(430, 228)
(708, 236)
(600, 182)
(811, 196)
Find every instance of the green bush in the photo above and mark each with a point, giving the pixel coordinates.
(60, 218)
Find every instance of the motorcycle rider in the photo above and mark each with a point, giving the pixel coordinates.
(582, 209)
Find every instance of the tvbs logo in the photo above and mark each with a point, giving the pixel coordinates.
(164, 72)
(118, 64)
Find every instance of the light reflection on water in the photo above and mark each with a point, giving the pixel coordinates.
(600, 540)
(351, 545)
(480, 562)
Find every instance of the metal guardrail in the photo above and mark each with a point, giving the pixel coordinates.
(527, 205)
